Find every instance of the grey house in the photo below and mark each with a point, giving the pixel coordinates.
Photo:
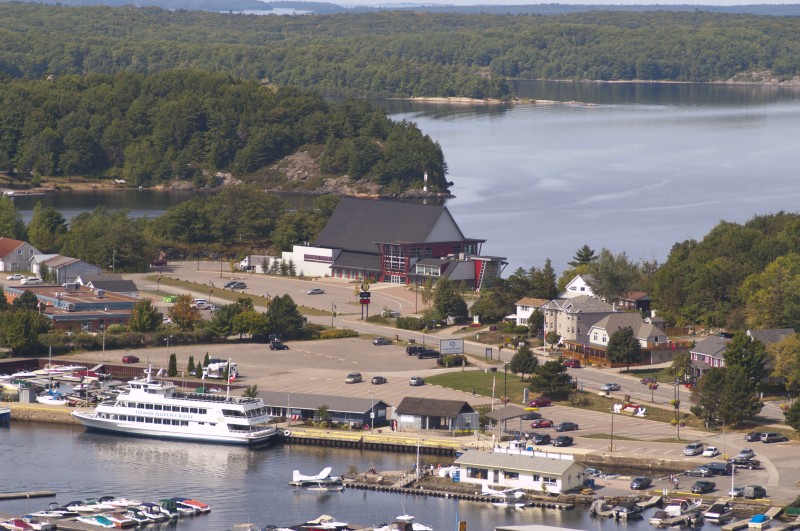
(707, 354)
(62, 269)
(431, 414)
(113, 283)
(354, 412)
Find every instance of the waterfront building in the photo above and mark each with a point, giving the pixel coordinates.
(433, 414)
(349, 411)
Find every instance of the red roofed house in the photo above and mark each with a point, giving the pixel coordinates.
(15, 254)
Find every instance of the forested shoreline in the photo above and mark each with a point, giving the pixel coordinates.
(399, 54)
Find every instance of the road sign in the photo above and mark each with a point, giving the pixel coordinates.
(451, 346)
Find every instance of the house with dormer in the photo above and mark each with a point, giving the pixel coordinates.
(577, 286)
(572, 318)
(15, 254)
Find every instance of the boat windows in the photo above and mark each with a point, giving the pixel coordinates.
(148, 406)
(148, 420)
(158, 407)
(193, 410)
(184, 410)
(510, 475)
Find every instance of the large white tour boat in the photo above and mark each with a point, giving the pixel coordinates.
(155, 408)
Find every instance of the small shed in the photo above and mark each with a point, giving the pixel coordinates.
(354, 412)
(432, 414)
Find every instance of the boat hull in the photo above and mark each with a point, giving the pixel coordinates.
(132, 430)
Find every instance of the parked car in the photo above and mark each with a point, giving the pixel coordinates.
(542, 423)
(540, 438)
(416, 381)
(542, 401)
(711, 451)
(751, 492)
(703, 487)
(378, 380)
(736, 492)
(381, 341)
(427, 353)
(15, 276)
(610, 387)
(648, 380)
(566, 426)
(745, 453)
(771, 437)
(235, 285)
(390, 313)
(130, 359)
(531, 415)
(353, 377)
(31, 281)
(749, 464)
(700, 472)
(641, 483)
(593, 472)
(753, 436)
(277, 345)
(694, 448)
(720, 468)
(562, 440)
(316, 291)
(413, 350)
(572, 363)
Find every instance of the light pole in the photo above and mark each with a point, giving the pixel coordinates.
(105, 325)
(505, 384)
(611, 443)
(678, 407)
(333, 313)
(372, 413)
(288, 409)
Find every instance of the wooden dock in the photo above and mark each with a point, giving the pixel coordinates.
(652, 502)
(23, 495)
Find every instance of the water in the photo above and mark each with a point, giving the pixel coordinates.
(240, 484)
(641, 168)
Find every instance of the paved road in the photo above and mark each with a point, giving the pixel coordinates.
(320, 367)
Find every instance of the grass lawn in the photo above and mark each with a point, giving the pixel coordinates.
(662, 375)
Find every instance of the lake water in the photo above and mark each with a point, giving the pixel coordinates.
(634, 167)
(240, 484)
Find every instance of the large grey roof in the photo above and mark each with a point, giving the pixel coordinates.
(770, 335)
(431, 407)
(116, 286)
(358, 261)
(586, 304)
(544, 465)
(711, 346)
(633, 320)
(343, 404)
(505, 413)
(357, 224)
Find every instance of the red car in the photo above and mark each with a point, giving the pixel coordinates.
(542, 423)
(130, 359)
(572, 364)
(542, 401)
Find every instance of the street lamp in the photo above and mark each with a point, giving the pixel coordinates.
(678, 407)
(505, 384)
(372, 413)
(105, 325)
(333, 313)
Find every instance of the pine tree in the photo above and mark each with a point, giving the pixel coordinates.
(190, 366)
(172, 370)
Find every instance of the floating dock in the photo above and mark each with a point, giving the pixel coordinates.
(23, 495)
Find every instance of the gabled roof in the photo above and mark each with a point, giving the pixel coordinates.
(341, 404)
(711, 346)
(431, 407)
(59, 261)
(636, 296)
(770, 335)
(357, 224)
(633, 320)
(505, 413)
(118, 286)
(531, 301)
(586, 304)
(8, 246)
(358, 260)
(543, 465)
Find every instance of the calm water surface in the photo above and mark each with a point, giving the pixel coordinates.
(241, 485)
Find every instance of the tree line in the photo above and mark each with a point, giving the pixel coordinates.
(190, 124)
(398, 53)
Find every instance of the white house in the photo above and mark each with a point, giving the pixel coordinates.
(311, 261)
(576, 287)
(507, 471)
(15, 254)
(525, 307)
(646, 333)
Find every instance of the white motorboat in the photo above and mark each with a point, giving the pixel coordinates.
(96, 520)
(52, 399)
(720, 511)
(681, 506)
(154, 408)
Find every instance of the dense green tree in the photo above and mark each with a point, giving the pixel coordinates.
(3, 301)
(536, 320)
(255, 324)
(772, 296)
(785, 360)
(681, 367)
(612, 276)
(552, 338)
(11, 225)
(283, 317)
(523, 362)
(447, 301)
(551, 378)
(793, 415)
(26, 301)
(20, 329)
(172, 369)
(623, 347)
(46, 229)
(750, 355)
(584, 256)
(739, 401)
(145, 317)
(190, 366)
(707, 396)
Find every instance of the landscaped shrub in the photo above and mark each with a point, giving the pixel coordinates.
(338, 333)
(452, 360)
(377, 319)
(410, 323)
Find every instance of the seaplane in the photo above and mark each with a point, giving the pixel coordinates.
(510, 497)
(321, 482)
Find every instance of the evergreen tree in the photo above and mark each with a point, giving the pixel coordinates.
(11, 224)
(145, 317)
(190, 367)
(172, 370)
(523, 362)
(613, 276)
(708, 394)
(793, 415)
(750, 355)
(623, 347)
(551, 379)
(283, 318)
(584, 256)
(447, 301)
(46, 229)
(184, 313)
(26, 301)
(739, 400)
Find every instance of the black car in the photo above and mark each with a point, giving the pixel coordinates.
(531, 415)
(719, 468)
(428, 353)
(641, 483)
(749, 464)
(702, 487)
(562, 440)
(378, 380)
(754, 436)
(381, 341)
(235, 285)
(277, 345)
(413, 350)
(566, 426)
(540, 438)
(700, 471)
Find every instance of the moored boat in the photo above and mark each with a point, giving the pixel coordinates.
(15, 524)
(121, 521)
(172, 506)
(198, 506)
(720, 511)
(97, 520)
(155, 408)
(681, 506)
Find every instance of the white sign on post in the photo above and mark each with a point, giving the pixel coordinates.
(451, 346)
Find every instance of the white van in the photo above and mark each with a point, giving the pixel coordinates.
(695, 448)
(200, 303)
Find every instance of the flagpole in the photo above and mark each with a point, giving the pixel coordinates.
(494, 378)
(228, 390)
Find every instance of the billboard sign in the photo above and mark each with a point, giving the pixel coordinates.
(451, 346)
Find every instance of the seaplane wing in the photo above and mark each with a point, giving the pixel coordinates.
(325, 474)
(488, 491)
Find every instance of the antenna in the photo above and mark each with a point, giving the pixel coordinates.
(425, 182)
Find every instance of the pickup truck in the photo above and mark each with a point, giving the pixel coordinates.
(427, 353)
